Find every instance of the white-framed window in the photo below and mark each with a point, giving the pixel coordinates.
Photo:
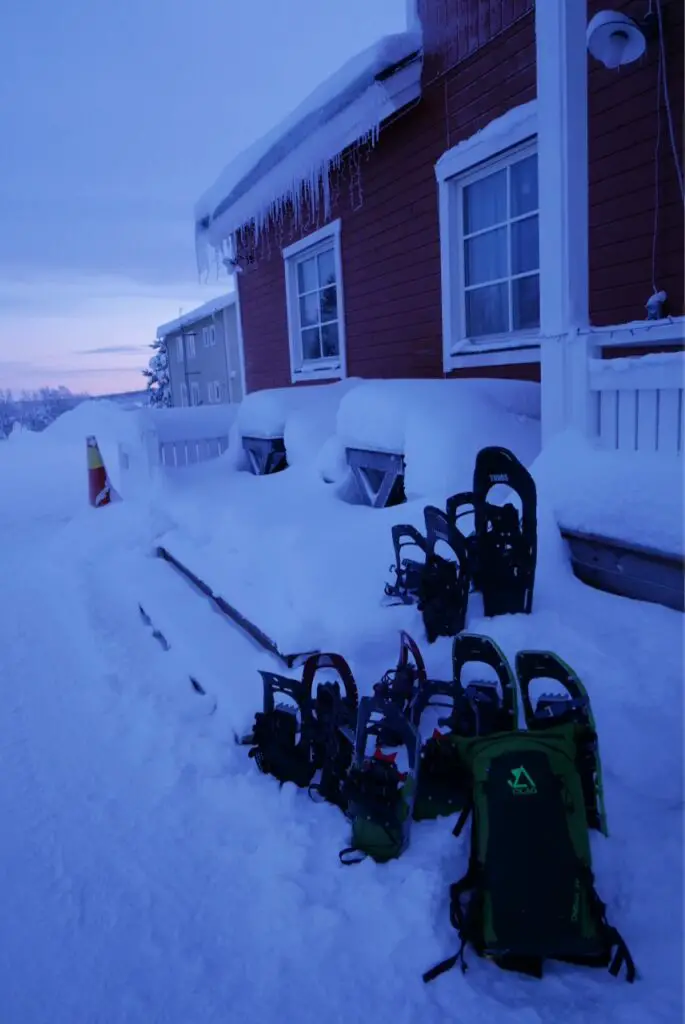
(209, 336)
(184, 394)
(194, 392)
(314, 296)
(179, 349)
(489, 243)
(499, 259)
(214, 391)
(190, 345)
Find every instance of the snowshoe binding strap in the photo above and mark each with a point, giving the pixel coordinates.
(445, 583)
(480, 709)
(407, 571)
(571, 707)
(373, 794)
(506, 542)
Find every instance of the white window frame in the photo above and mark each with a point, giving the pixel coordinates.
(179, 349)
(209, 336)
(190, 346)
(511, 136)
(214, 392)
(195, 393)
(334, 368)
(184, 395)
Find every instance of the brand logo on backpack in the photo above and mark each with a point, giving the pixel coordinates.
(521, 783)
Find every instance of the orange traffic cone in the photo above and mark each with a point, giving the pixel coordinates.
(100, 490)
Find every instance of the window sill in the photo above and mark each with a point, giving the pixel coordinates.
(505, 351)
(318, 371)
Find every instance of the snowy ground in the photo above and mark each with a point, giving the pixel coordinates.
(150, 874)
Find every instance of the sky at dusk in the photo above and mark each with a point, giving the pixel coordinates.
(114, 118)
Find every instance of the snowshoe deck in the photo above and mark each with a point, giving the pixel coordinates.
(506, 542)
(334, 708)
(481, 708)
(441, 785)
(444, 584)
(572, 706)
(380, 796)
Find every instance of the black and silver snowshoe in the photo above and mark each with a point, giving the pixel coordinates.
(400, 685)
(441, 784)
(445, 582)
(571, 707)
(407, 571)
(334, 708)
(379, 793)
(505, 553)
(482, 707)
(282, 735)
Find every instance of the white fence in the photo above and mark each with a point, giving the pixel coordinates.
(621, 404)
(638, 403)
(167, 440)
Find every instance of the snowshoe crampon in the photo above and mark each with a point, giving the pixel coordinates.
(482, 706)
(334, 708)
(505, 541)
(379, 792)
(445, 582)
(400, 685)
(569, 707)
(407, 571)
(282, 731)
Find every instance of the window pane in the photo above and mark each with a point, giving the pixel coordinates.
(526, 302)
(326, 268)
(487, 310)
(525, 254)
(311, 344)
(307, 280)
(524, 186)
(329, 340)
(485, 202)
(309, 310)
(329, 304)
(485, 257)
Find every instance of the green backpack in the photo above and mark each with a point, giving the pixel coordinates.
(529, 894)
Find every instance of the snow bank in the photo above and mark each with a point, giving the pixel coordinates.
(189, 424)
(626, 496)
(440, 425)
(347, 107)
(305, 417)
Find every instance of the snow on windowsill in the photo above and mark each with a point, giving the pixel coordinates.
(469, 346)
(299, 152)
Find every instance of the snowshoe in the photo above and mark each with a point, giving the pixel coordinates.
(400, 685)
(506, 543)
(282, 733)
(408, 571)
(379, 796)
(444, 584)
(482, 707)
(334, 717)
(573, 706)
(441, 784)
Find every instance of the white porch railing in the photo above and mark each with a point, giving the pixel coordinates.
(626, 404)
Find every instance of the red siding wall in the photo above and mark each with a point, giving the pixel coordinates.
(389, 214)
(622, 140)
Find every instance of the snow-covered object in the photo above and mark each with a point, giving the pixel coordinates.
(299, 152)
(439, 425)
(311, 407)
(628, 496)
(189, 424)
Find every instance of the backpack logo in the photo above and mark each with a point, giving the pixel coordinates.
(521, 783)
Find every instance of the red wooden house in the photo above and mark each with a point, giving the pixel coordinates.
(471, 198)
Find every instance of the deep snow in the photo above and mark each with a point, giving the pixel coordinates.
(151, 874)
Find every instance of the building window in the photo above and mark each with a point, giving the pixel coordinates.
(499, 268)
(315, 304)
(190, 344)
(179, 349)
(194, 392)
(214, 391)
(209, 336)
(184, 394)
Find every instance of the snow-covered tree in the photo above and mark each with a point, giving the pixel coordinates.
(157, 374)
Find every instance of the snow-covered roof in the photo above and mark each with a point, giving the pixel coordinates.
(205, 310)
(347, 108)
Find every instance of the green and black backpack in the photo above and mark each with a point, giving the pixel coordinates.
(529, 894)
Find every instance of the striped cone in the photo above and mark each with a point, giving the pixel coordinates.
(100, 490)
